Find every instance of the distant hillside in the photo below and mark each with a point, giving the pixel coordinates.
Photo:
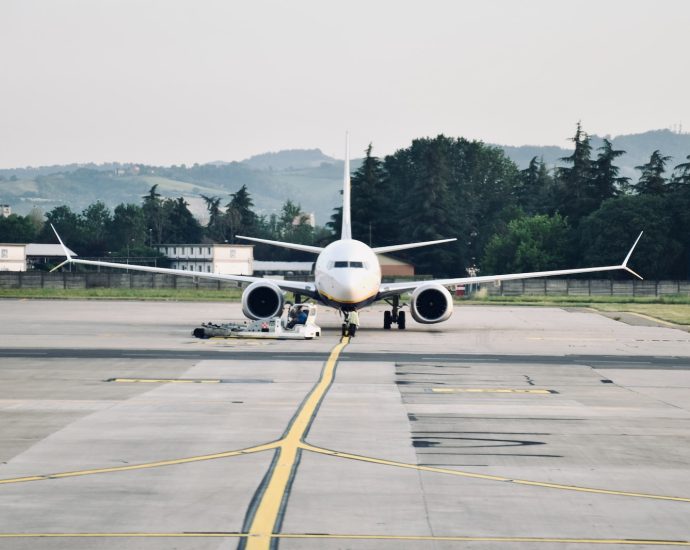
(289, 159)
(306, 176)
(638, 148)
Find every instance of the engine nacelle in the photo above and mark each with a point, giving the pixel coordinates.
(431, 303)
(262, 300)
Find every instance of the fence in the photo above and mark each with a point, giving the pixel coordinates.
(588, 287)
(539, 287)
(66, 280)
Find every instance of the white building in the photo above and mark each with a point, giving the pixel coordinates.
(20, 257)
(5, 210)
(228, 259)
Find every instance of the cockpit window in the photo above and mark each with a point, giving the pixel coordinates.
(348, 264)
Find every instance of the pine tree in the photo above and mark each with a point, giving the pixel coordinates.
(606, 183)
(369, 198)
(153, 213)
(681, 176)
(239, 216)
(535, 186)
(575, 191)
(652, 180)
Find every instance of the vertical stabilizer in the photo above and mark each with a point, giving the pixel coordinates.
(347, 224)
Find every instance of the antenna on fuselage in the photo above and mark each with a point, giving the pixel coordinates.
(347, 224)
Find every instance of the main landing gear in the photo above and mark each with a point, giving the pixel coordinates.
(394, 316)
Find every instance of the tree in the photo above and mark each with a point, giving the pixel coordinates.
(96, 220)
(606, 182)
(17, 229)
(154, 214)
(607, 234)
(536, 243)
(67, 223)
(369, 199)
(128, 227)
(575, 193)
(681, 176)
(652, 180)
(535, 188)
(216, 228)
(181, 225)
(241, 217)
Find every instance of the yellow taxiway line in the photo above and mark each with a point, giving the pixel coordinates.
(265, 518)
(460, 473)
(146, 465)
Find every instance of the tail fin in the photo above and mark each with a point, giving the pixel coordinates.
(347, 223)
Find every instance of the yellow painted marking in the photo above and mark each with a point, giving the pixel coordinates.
(460, 473)
(431, 538)
(158, 464)
(266, 515)
(487, 390)
(166, 380)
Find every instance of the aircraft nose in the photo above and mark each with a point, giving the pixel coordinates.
(352, 288)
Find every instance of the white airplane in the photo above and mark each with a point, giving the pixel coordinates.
(348, 277)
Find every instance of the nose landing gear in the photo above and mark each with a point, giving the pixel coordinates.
(395, 316)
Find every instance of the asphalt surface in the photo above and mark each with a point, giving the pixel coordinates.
(504, 427)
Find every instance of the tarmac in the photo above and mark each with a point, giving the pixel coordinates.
(505, 427)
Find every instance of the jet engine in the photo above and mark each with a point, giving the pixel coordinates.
(431, 303)
(262, 300)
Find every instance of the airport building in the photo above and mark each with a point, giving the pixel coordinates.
(228, 259)
(22, 257)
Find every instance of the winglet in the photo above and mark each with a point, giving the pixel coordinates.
(624, 265)
(64, 249)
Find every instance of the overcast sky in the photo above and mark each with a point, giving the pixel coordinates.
(177, 81)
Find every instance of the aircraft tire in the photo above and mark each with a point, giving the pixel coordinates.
(401, 320)
(387, 320)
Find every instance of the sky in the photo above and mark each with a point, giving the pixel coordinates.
(182, 81)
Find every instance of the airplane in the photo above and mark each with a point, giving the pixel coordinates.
(347, 276)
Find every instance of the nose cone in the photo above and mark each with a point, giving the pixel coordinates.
(352, 286)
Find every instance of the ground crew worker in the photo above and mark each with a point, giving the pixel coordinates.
(353, 322)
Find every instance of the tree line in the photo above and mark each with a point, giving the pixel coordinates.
(580, 213)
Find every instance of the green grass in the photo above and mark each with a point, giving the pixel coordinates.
(672, 308)
(186, 294)
(578, 300)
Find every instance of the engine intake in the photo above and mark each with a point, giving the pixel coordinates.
(431, 303)
(262, 300)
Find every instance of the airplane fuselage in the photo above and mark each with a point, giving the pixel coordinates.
(347, 275)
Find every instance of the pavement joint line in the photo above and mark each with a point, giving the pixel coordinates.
(489, 477)
(491, 390)
(327, 536)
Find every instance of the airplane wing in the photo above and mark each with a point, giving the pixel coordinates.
(396, 247)
(300, 287)
(391, 289)
(293, 246)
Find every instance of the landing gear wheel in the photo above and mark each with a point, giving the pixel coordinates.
(401, 320)
(344, 331)
(387, 320)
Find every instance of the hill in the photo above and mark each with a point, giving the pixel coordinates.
(306, 176)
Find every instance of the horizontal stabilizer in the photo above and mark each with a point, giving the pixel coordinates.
(293, 246)
(395, 247)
